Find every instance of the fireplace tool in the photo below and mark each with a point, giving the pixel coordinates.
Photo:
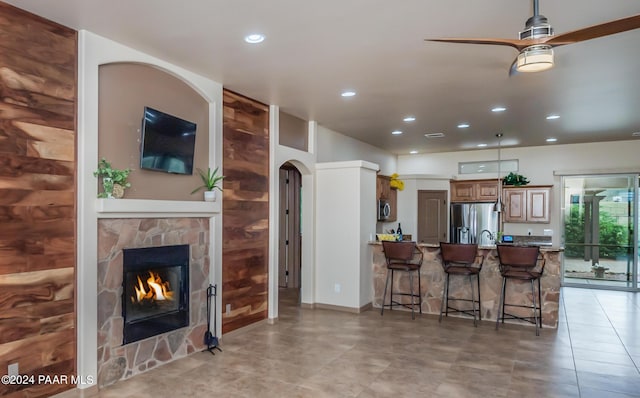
(210, 339)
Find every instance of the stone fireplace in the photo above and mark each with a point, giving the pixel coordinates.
(123, 353)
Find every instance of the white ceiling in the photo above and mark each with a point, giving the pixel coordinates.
(316, 49)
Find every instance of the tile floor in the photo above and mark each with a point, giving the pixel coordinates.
(318, 353)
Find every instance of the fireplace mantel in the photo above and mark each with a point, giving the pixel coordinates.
(143, 208)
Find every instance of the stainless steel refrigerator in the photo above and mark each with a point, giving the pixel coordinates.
(473, 223)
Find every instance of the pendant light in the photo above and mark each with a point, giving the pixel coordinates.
(498, 205)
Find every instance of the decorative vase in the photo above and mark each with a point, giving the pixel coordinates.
(209, 196)
(118, 191)
(107, 185)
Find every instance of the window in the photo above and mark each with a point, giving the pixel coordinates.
(489, 166)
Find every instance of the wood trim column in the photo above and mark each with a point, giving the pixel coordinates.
(245, 221)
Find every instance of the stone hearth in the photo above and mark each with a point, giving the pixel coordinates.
(116, 361)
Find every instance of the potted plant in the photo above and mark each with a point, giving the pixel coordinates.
(598, 270)
(210, 181)
(515, 179)
(114, 181)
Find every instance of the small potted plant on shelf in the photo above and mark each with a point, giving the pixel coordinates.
(210, 181)
(114, 181)
(515, 180)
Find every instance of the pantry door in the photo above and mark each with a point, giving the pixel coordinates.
(432, 217)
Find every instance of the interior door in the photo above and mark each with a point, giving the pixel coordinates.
(290, 240)
(282, 222)
(432, 216)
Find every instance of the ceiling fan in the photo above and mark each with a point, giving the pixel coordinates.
(536, 41)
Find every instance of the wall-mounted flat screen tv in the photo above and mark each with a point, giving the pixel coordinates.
(168, 142)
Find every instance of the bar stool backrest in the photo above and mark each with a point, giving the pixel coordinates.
(459, 253)
(518, 256)
(399, 252)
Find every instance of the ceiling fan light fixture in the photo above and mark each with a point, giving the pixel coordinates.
(535, 59)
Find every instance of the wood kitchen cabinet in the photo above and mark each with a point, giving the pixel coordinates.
(474, 190)
(385, 192)
(527, 204)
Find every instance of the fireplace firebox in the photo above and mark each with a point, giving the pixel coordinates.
(155, 291)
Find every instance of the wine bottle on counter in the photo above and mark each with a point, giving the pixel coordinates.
(399, 232)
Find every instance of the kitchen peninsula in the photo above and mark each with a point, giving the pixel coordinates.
(432, 278)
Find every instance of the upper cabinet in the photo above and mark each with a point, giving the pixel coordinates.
(383, 189)
(385, 192)
(528, 204)
(474, 191)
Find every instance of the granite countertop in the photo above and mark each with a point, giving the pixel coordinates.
(543, 248)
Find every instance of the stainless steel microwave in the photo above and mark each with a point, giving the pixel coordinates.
(384, 210)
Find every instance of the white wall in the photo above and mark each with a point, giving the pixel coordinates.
(336, 147)
(538, 164)
(326, 146)
(344, 220)
(367, 215)
(304, 161)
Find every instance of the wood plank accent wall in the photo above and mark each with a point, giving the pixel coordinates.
(38, 73)
(245, 214)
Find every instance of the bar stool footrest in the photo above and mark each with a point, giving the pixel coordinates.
(530, 319)
(406, 305)
(468, 312)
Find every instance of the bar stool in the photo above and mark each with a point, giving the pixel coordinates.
(461, 259)
(522, 263)
(406, 257)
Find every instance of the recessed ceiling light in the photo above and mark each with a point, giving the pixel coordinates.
(348, 93)
(499, 109)
(409, 119)
(413, 152)
(636, 134)
(396, 132)
(482, 145)
(552, 139)
(434, 135)
(254, 38)
(463, 125)
(553, 117)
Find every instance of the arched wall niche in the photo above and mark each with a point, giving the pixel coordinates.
(125, 88)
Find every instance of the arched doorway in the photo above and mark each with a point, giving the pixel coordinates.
(290, 238)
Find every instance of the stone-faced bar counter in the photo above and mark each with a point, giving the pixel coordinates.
(432, 278)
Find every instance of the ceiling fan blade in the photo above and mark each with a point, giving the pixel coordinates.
(515, 43)
(595, 31)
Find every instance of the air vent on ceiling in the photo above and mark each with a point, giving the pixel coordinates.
(434, 135)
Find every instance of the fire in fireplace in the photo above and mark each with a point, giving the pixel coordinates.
(155, 291)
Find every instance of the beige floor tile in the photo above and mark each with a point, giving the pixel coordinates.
(322, 353)
(527, 388)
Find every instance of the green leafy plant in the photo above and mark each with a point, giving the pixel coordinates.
(613, 236)
(210, 180)
(118, 176)
(515, 179)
